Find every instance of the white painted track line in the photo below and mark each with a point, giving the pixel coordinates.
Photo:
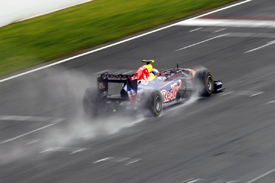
(133, 161)
(229, 23)
(252, 35)
(70, 150)
(220, 9)
(271, 102)
(104, 159)
(79, 150)
(185, 181)
(268, 44)
(119, 42)
(219, 30)
(33, 131)
(249, 93)
(193, 181)
(261, 176)
(33, 141)
(47, 150)
(195, 29)
(27, 118)
(224, 94)
(201, 42)
(259, 93)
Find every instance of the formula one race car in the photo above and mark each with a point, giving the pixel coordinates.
(148, 92)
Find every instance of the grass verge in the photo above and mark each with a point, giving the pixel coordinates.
(48, 37)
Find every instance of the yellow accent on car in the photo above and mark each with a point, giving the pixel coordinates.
(149, 67)
(148, 61)
(192, 72)
(151, 76)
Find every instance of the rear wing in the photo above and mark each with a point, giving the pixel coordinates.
(105, 78)
(114, 78)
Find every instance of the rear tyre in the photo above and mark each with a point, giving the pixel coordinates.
(152, 103)
(92, 102)
(204, 82)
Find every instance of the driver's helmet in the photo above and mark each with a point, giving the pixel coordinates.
(155, 72)
(149, 67)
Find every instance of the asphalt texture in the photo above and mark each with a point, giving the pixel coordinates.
(228, 137)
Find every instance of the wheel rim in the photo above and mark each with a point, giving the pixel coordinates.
(209, 83)
(158, 104)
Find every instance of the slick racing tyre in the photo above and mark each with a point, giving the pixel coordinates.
(152, 103)
(92, 101)
(204, 82)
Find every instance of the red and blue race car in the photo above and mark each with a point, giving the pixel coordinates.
(148, 92)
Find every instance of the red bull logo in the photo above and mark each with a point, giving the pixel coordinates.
(145, 78)
(142, 74)
(167, 96)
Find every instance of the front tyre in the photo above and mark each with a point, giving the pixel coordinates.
(204, 82)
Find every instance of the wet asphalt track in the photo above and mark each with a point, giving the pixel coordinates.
(45, 136)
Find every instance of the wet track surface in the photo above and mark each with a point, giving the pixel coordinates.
(228, 137)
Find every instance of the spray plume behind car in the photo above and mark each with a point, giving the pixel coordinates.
(56, 94)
